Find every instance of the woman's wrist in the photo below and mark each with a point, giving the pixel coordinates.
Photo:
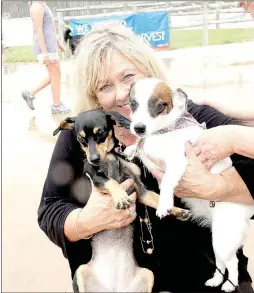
(77, 227)
(218, 187)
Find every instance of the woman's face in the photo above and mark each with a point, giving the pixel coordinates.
(113, 95)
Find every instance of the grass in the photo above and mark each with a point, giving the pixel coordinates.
(179, 39)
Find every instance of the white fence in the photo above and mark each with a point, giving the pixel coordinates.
(183, 15)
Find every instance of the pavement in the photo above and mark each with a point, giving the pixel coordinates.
(30, 262)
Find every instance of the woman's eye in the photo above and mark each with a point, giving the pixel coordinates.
(128, 76)
(104, 88)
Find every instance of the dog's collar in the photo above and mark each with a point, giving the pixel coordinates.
(185, 120)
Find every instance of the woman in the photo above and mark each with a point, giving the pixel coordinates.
(107, 62)
(45, 45)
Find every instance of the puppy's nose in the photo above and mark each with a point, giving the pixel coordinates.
(95, 159)
(140, 128)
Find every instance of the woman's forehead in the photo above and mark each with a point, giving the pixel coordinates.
(115, 65)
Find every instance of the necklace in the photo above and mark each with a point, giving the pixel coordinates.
(148, 226)
(145, 222)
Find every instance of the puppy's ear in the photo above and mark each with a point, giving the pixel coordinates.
(111, 119)
(123, 121)
(67, 124)
(180, 99)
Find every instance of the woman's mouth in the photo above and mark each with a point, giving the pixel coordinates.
(127, 106)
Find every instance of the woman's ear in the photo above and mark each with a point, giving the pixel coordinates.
(67, 124)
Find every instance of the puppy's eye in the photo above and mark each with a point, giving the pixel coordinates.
(160, 106)
(133, 105)
(82, 140)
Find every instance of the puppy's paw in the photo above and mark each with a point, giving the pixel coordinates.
(166, 204)
(184, 215)
(228, 287)
(162, 212)
(122, 200)
(215, 281)
(130, 152)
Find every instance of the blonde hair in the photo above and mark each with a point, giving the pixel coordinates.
(93, 55)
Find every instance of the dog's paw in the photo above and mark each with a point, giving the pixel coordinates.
(130, 152)
(162, 212)
(122, 201)
(184, 215)
(228, 287)
(215, 281)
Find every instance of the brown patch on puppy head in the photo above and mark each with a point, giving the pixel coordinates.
(95, 130)
(82, 133)
(161, 100)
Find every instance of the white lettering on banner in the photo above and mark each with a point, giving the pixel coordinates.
(87, 27)
(154, 36)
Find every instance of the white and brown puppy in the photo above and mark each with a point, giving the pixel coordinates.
(159, 121)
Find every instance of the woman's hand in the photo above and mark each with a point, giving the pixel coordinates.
(100, 212)
(61, 46)
(46, 60)
(214, 145)
(197, 181)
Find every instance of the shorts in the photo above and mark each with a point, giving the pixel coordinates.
(53, 57)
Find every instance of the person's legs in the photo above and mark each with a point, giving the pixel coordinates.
(29, 95)
(45, 82)
(55, 76)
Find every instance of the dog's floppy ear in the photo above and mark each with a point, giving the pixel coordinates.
(111, 119)
(123, 121)
(180, 99)
(67, 124)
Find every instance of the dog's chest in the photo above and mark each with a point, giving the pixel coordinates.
(113, 258)
(171, 143)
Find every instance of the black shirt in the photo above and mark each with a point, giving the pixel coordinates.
(183, 257)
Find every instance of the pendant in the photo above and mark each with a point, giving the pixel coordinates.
(149, 250)
(212, 204)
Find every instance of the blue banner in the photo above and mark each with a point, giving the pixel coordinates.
(152, 26)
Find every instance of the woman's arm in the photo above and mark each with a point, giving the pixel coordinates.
(37, 13)
(239, 186)
(235, 184)
(240, 108)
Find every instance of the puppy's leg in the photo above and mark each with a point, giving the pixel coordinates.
(142, 282)
(85, 281)
(109, 186)
(169, 181)
(151, 199)
(228, 233)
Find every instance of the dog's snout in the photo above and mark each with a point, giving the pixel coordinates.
(140, 128)
(95, 159)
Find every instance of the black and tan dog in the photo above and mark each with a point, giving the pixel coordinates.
(115, 270)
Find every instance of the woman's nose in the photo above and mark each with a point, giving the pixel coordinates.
(122, 92)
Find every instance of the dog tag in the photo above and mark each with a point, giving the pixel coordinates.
(212, 204)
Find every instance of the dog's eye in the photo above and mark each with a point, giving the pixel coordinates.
(82, 140)
(133, 105)
(160, 106)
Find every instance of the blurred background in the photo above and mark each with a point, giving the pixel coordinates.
(208, 49)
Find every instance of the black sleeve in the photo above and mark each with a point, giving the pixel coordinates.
(213, 118)
(56, 202)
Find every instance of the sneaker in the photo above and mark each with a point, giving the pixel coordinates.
(29, 99)
(60, 109)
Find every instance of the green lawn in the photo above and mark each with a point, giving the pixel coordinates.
(179, 39)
